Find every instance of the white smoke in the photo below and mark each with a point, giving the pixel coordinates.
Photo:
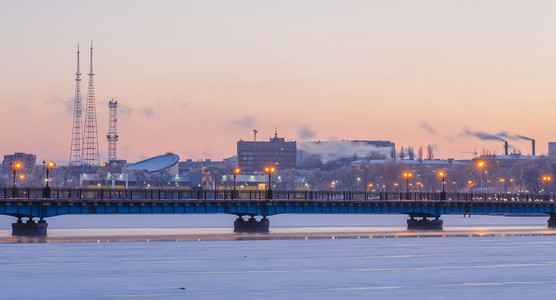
(328, 151)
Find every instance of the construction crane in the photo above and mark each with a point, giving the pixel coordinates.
(474, 152)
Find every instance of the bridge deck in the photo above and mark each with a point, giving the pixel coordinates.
(44, 203)
(31, 203)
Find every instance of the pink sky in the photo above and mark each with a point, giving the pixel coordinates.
(193, 77)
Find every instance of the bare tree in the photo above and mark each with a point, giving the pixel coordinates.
(430, 152)
(375, 155)
(410, 153)
(420, 153)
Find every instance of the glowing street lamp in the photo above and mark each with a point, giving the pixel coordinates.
(235, 172)
(481, 165)
(546, 179)
(442, 175)
(15, 167)
(269, 171)
(407, 176)
(48, 167)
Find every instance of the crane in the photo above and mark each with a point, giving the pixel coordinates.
(474, 152)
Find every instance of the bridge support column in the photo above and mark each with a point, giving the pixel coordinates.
(552, 221)
(251, 225)
(29, 228)
(424, 224)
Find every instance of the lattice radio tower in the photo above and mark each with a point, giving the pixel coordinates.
(90, 137)
(112, 135)
(76, 141)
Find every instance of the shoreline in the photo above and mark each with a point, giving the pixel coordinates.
(116, 235)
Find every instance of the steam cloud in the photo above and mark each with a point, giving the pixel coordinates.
(328, 151)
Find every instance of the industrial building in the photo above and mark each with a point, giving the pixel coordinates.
(254, 156)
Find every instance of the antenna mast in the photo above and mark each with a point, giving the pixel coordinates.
(76, 138)
(112, 135)
(90, 139)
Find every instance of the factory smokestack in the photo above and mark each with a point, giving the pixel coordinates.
(506, 148)
(533, 147)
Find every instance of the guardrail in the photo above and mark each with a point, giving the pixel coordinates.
(180, 194)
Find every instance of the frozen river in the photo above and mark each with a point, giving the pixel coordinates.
(483, 261)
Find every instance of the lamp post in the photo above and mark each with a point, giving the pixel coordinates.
(235, 172)
(546, 179)
(15, 167)
(269, 171)
(481, 165)
(503, 181)
(442, 175)
(47, 167)
(407, 176)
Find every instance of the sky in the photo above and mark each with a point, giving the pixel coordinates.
(194, 77)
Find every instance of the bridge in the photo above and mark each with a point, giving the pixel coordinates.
(34, 205)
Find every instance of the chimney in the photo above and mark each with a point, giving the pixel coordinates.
(506, 148)
(533, 147)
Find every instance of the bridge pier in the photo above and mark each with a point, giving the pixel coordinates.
(29, 228)
(552, 221)
(424, 223)
(251, 225)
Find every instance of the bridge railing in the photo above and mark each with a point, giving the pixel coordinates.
(202, 195)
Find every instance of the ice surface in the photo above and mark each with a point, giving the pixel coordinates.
(419, 268)
(489, 267)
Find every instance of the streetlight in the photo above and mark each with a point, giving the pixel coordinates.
(15, 167)
(546, 179)
(269, 171)
(48, 167)
(235, 172)
(503, 181)
(481, 165)
(407, 175)
(442, 175)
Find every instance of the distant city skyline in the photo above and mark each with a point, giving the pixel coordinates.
(194, 77)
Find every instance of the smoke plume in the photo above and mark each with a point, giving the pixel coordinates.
(502, 136)
(484, 135)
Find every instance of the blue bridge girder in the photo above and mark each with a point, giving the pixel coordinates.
(33, 203)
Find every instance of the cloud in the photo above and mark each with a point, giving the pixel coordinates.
(426, 126)
(245, 122)
(306, 133)
(124, 110)
(67, 103)
(147, 112)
